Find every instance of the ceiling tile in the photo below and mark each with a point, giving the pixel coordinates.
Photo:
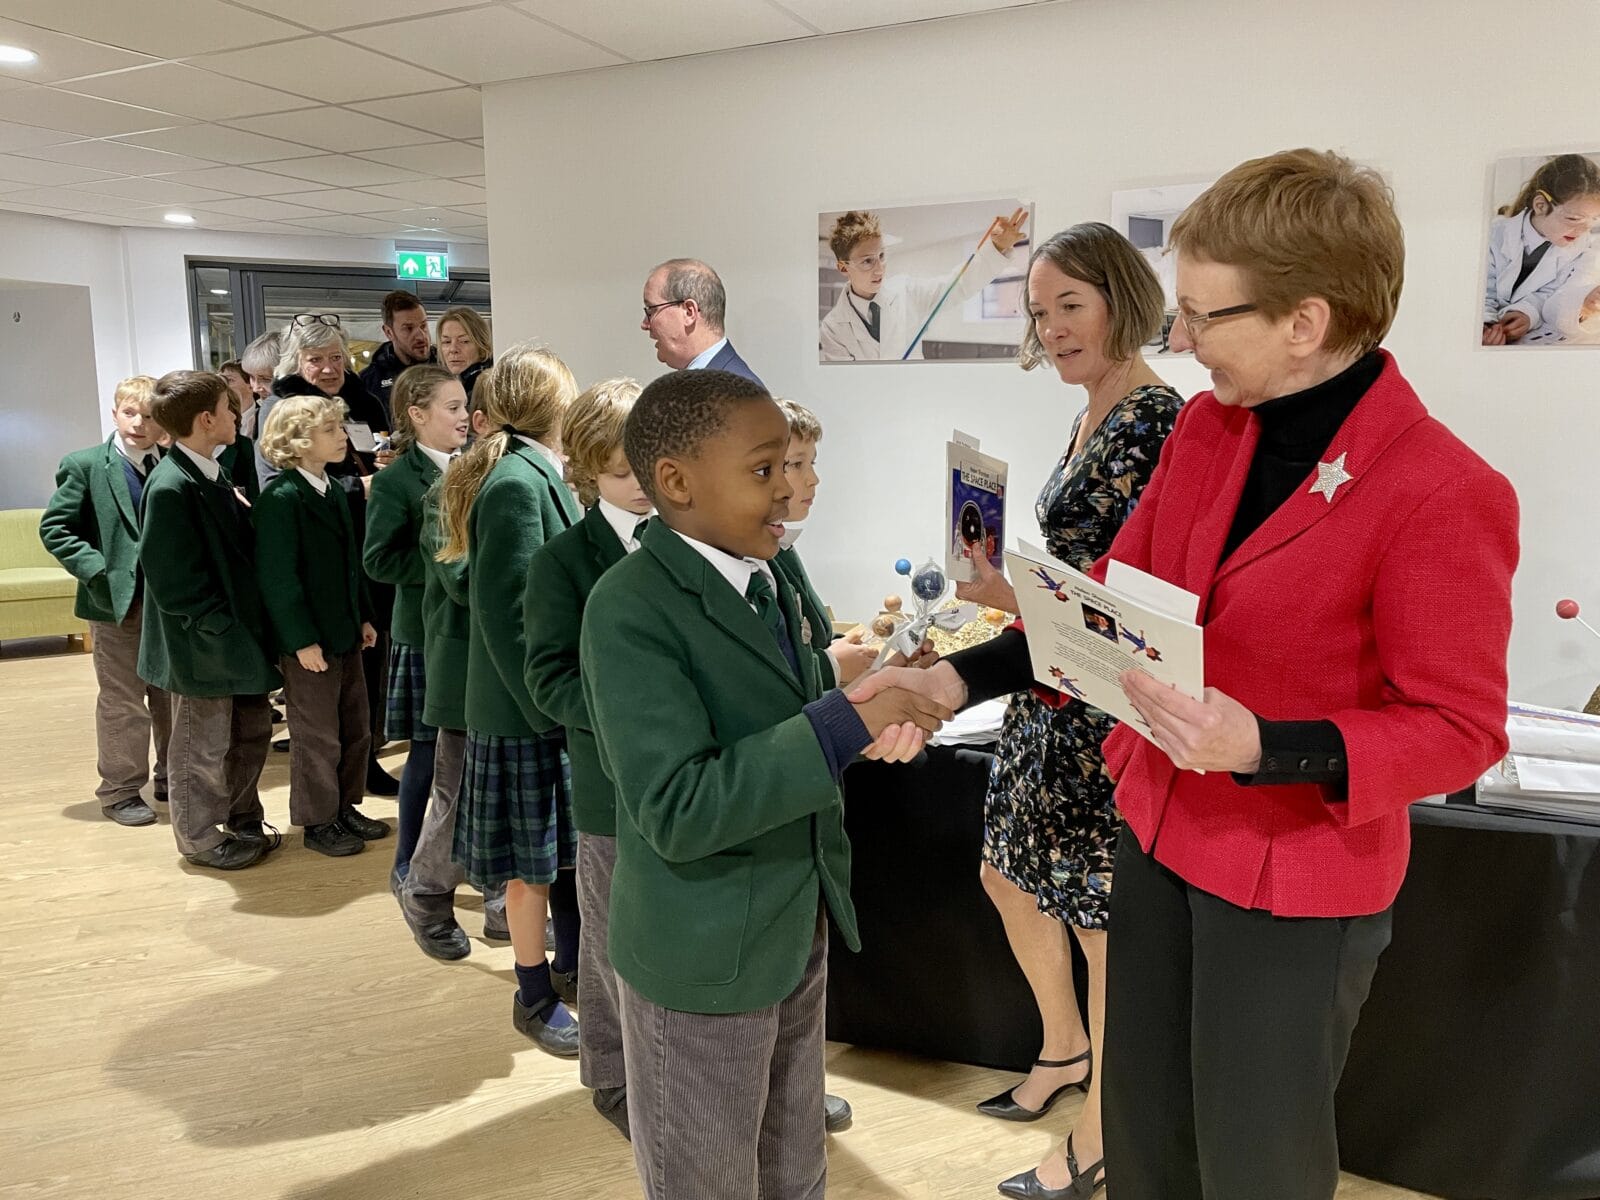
(435, 191)
(258, 208)
(836, 16)
(326, 69)
(485, 45)
(669, 28)
(173, 87)
(168, 30)
(338, 14)
(274, 227)
(37, 210)
(157, 189)
(38, 171)
(418, 217)
(476, 180)
(60, 56)
(87, 116)
(457, 113)
(26, 137)
(241, 181)
(336, 129)
(346, 200)
(219, 143)
(472, 210)
(367, 226)
(55, 197)
(340, 170)
(117, 157)
(447, 159)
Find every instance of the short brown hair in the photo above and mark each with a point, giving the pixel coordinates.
(1101, 257)
(592, 433)
(234, 365)
(181, 396)
(855, 226)
(803, 423)
(476, 327)
(397, 302)
(1303, 223)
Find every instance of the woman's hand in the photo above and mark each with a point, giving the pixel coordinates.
(850, 657)
(311, 659)
(989, 588)
(921, 659)
(1214, 734)
(385, 456)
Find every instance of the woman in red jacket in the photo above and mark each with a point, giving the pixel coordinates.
(1354, 561)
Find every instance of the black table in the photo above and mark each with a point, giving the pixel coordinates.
(1474, 1073)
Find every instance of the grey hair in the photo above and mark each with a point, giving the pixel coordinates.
(262, 354)
(308, 337)
(691, 279)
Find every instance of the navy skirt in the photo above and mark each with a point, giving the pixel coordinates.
(408, 688)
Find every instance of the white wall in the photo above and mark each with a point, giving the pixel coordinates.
(50, 396)
(730, 157)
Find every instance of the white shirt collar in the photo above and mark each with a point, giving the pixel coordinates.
(318, 482)
(549, 455)
(209, 467)
(137, 457)
(736, 571)
(1532, 239)
(699, 361)
(438, 457)
(622, 523)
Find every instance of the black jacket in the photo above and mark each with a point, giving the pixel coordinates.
(469, 377)
(384, 369)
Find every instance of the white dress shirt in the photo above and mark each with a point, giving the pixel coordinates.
(208, 466)
(698, 362)
(320, 482)
(622, 523)
(736, 571)
(549, 455)
(438, 457)
(144, 461)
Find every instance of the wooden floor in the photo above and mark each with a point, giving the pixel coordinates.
(177, 1034)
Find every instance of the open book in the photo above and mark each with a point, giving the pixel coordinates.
(1082, 635)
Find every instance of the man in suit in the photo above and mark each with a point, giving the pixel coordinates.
(684, 306)
(92, 528)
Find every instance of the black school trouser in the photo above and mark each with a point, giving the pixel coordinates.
(1226, 1034)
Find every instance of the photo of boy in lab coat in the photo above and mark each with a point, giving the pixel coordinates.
(1542, 283)
(885, 316)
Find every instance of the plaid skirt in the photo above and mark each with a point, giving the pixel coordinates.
(515, 819)
(408, 685)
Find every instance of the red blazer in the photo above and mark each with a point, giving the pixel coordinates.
(1386, 610)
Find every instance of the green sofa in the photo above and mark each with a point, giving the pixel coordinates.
(36, 593)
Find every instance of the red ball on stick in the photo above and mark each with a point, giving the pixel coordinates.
(1566, 609)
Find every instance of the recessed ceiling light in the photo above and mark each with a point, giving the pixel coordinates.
(178, 218)
(16, 56)
(219, 291)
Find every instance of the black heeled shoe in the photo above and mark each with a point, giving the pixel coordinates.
(1080, 1184)
(1005, 1106)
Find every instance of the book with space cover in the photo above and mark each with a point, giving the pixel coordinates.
(974, 507)
(1082, 635)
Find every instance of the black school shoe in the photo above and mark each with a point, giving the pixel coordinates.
(258, 831)
(364, 827)
(379, 781)
(566, 985)
(233, 854)
(131, 812)
(532, 1023)
(333, 839)
(836, 1112)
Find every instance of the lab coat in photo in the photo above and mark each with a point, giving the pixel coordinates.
(1554, 271)
(904, 304)
(1563, 312)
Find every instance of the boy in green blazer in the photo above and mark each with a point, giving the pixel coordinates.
(91, 525)
(709, 711)
(560, 578)
(309, 567)
(238, 457)
(204, 636)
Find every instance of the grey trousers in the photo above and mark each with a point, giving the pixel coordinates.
(600, 1055)
(219, 745)
(128, 713)
(330, 736)
(728, 1106)
(428, 892)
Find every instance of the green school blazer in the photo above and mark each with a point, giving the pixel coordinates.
(205, 630)
(445, 625)
(92, 529)
(560, 578)
(394, 528)
(309, 567)
(239, 461)
(522, 504)
(812, 608)
(729, 823)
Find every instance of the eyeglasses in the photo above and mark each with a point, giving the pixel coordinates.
(871, 262)
(651, 310)
(306, 320)
(1194, 322)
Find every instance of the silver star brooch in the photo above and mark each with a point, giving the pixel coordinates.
(1331, 476)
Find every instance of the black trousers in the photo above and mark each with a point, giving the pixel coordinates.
(1226, 1034)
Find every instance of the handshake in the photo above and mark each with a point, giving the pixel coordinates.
(900, 706)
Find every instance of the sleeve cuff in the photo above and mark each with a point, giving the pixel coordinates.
(840, 731)
(1298, 752)
(998, 667)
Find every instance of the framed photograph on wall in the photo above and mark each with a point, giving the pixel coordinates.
(1541, 282)
(1145, 216)
(925, 282)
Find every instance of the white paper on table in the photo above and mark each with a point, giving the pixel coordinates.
(1557, 775)
(1553, 733)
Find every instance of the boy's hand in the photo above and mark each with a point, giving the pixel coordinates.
(369, 635)
(850, 657)
(897, 744)
(1515, 324)
(1493, 335)
(311, 658)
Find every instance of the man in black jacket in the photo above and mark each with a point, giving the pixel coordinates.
(405, 324)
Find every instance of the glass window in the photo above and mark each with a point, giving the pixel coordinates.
(214, 319)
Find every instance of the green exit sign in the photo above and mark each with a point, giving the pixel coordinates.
(417, 264)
